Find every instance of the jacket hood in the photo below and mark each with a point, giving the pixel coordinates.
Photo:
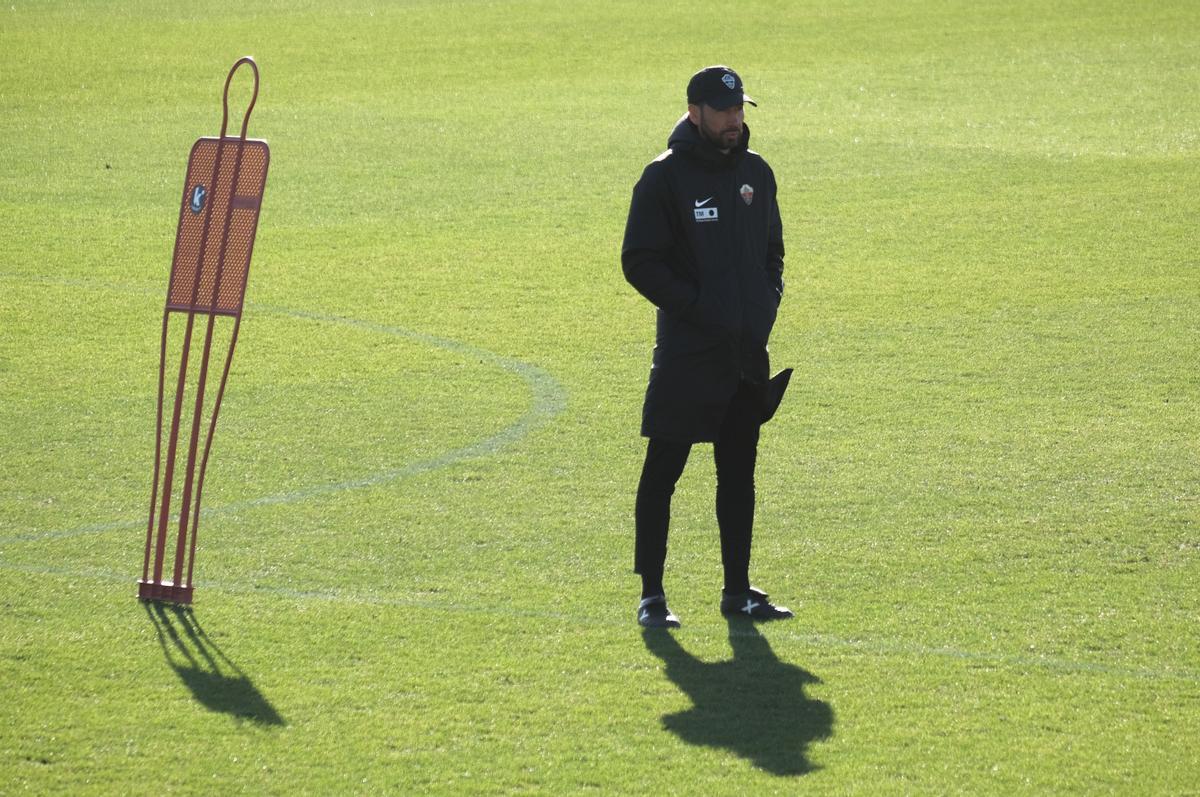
(686, 139)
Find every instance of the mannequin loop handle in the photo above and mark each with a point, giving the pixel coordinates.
(225, 102)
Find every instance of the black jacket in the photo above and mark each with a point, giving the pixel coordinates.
(704, 243)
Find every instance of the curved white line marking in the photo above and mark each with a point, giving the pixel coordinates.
(548, 399)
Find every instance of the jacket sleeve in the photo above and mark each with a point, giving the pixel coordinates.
(775, 243)
(647, 254)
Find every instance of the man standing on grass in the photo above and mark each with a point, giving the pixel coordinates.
(704, 243)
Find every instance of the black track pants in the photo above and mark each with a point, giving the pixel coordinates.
(735, 452)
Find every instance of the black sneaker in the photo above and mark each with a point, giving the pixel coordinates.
(753, 603)
(653, 613)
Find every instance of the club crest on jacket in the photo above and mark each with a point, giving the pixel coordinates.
(747, 193)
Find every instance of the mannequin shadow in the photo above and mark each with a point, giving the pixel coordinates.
(213, 679)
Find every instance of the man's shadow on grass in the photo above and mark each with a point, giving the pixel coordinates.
(215, 681)
(753, 704)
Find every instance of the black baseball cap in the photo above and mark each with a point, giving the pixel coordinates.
(718, 87)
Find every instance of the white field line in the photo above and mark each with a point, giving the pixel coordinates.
(619, 618)
(547, 400)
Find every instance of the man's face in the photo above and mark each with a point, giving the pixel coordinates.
(722, 128)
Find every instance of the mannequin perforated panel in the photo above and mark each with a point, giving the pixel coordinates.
(217, 223)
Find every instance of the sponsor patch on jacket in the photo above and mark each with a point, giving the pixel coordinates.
(705, 214)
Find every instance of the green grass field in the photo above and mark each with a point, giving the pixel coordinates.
(414, 570)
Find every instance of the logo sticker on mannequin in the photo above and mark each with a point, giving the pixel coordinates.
(199, 194)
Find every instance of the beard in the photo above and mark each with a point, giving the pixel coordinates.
(723, 138)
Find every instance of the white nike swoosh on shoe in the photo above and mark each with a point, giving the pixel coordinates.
(701, 202)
